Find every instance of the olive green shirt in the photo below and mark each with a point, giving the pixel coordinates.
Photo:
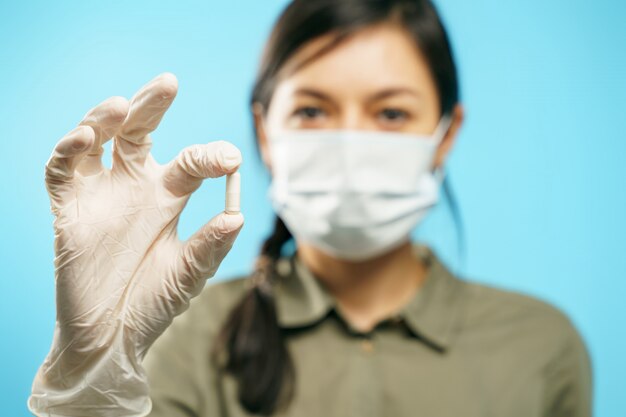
(458, 348)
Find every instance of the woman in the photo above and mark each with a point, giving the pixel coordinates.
(356, 107)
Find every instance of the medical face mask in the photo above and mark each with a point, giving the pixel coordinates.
(354, 194)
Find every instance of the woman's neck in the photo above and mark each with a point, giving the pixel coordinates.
(368, 291)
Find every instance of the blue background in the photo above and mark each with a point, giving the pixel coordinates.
(539, 169)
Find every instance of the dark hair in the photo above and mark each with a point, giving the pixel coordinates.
(251, 339)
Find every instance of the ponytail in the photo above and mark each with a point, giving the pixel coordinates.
(252, 341)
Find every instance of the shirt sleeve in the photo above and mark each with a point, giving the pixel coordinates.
(569, 379)
(181, 377)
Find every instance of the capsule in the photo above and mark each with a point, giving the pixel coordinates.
(233, 189)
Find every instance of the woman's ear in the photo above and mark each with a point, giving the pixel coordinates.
(261, 134)
(458, 115)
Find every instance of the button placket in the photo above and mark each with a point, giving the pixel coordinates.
(367, 346)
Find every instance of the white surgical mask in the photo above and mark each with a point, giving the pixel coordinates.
(354, 194)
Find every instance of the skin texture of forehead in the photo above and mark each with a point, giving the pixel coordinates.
(376, 57)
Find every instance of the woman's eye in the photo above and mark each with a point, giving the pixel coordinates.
(393, 115)
(309, 112)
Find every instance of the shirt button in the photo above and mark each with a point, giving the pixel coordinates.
(367, 346)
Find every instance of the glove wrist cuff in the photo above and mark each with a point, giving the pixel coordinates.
(103, 383)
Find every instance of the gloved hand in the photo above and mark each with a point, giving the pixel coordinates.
(122, 274)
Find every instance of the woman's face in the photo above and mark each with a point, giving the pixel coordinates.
(375, 80)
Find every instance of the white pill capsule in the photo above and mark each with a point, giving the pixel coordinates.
(233, 188)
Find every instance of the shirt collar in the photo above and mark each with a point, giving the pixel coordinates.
(301, 300)
(433, 314)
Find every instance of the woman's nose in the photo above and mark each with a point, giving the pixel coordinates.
(354, 119)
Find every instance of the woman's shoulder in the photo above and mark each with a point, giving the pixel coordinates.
(526, 336)
(489, 298)
(518, 315)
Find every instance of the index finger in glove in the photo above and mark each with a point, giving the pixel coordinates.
(185, 173)
(60, 168)
(105, 119)
(132, 143)
(148, 106)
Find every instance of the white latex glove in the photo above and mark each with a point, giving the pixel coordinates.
(122, 274)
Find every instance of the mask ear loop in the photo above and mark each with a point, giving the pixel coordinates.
(442, 128)
(444, 125)
(439, 174)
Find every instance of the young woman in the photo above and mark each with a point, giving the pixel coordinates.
(356, 107)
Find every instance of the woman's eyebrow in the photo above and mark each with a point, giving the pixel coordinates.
(379, 95)
(313, 93)
(393, 91)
